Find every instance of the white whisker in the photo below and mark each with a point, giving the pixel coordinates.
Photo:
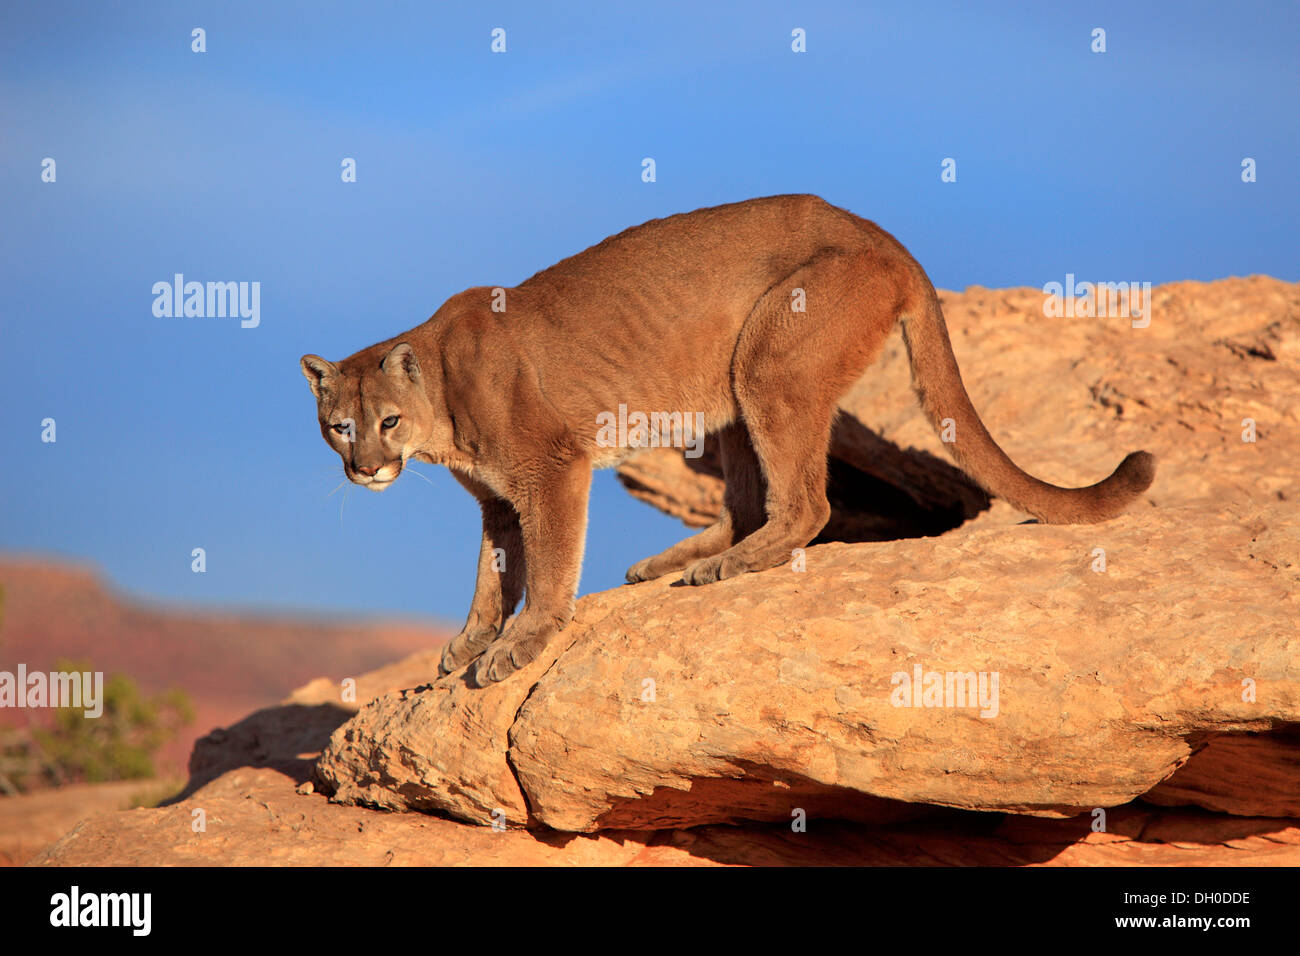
(422, 476)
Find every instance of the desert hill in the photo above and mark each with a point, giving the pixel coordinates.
(229, 664)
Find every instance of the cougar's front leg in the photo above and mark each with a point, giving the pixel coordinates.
(553, 521)
(499, 585)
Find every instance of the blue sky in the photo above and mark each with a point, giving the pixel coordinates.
(480, 168)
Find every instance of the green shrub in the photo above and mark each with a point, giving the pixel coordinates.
(122, 742)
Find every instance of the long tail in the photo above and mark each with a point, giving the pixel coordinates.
(939, 387)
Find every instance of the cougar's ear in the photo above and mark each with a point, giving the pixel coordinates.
(401, 362)
(319, 373)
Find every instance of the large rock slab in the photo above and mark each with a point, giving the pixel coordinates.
(773, 693)
(261, 810)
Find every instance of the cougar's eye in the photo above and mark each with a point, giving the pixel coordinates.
(340, 429)
(390, 421)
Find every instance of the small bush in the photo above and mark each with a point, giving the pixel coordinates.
(121, 743)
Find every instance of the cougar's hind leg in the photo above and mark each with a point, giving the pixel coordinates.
(790, 369)
(742, 511)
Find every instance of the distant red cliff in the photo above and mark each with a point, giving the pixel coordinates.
(228, 663)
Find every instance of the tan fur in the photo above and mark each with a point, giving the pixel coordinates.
(692, 313)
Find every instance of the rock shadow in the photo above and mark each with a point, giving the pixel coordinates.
(287, 738)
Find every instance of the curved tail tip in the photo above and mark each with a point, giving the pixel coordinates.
(1136, 472)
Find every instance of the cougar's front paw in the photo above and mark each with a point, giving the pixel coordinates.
(645, 571)
(716, 568)
(464, 647)
(517, 647)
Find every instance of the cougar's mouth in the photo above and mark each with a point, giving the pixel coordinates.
(384, 477)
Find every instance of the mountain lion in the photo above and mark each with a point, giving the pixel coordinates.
(750, 319)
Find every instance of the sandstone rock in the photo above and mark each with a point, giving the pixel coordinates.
(30, 822)
(772, 692)
(253, 817)
(1240, 774)
(778, 696)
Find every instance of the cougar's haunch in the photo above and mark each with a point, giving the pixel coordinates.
(748, 320)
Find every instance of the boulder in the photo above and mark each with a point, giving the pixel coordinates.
(259, 807)
(767, 694)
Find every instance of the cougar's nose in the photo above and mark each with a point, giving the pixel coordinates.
(368, 472)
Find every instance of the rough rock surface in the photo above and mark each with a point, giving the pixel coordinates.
(30, 822)
(773, 692)
(256, 817)
(261, 809)
(780, 694)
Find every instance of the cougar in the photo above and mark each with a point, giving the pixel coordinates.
(750, 319)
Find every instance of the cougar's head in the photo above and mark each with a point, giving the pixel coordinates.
(376, 415)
